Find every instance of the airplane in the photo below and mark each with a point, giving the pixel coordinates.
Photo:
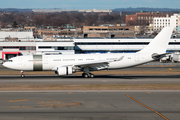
(68, 64)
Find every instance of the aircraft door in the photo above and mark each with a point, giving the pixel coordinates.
(37, 63)
(136, 57)
(45, 60)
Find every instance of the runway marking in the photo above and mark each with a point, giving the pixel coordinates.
(19, 107)
(169, 68)
(48, 102)
(52, 105)
(148, 107)
(19, 100)
(79, 104)
(60, 105)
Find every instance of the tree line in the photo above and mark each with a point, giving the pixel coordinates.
(59, 19)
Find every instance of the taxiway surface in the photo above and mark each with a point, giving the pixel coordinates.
(99, 79)
(93, 104)
(90, 105)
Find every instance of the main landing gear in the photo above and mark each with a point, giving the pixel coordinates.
(88, 75)
(22, 74)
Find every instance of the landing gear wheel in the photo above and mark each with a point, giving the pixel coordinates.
(22, 75)
(83, 74)
(86, 75)
(91, 75)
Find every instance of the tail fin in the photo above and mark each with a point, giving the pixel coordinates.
(159, 43)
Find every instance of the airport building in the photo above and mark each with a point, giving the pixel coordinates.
(118, 45)
(160, 22)
(142, 18)
(108, 31)
(61, 47)
(8, 36)
(11, 49)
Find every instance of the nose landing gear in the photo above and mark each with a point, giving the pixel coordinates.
(22, 74)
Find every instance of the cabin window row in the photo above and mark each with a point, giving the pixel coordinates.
(71, 59)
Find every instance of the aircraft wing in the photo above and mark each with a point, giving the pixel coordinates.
(95, 65)
(100, 64)
(92, 63)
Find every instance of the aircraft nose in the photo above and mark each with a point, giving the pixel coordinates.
(5, 64)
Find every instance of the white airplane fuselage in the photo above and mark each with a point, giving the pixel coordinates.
(51, 62)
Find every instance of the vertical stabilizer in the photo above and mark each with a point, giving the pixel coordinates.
(160, 43)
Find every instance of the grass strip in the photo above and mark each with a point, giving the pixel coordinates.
(92, 87)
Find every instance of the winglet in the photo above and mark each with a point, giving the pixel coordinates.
(119, 59)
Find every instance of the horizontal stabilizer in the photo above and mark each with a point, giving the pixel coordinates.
(156, 56)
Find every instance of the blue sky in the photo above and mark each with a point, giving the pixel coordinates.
(89, 4)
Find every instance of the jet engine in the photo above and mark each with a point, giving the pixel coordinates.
(64, 70)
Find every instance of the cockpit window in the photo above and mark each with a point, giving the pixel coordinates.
(9, 60)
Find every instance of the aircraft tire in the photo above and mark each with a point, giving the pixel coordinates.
(86, 75)
(91, 75)
(83, 74)
(22, 75)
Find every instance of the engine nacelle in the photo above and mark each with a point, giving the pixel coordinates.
(64, 70)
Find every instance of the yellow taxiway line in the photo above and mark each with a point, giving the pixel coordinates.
(148, 107)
